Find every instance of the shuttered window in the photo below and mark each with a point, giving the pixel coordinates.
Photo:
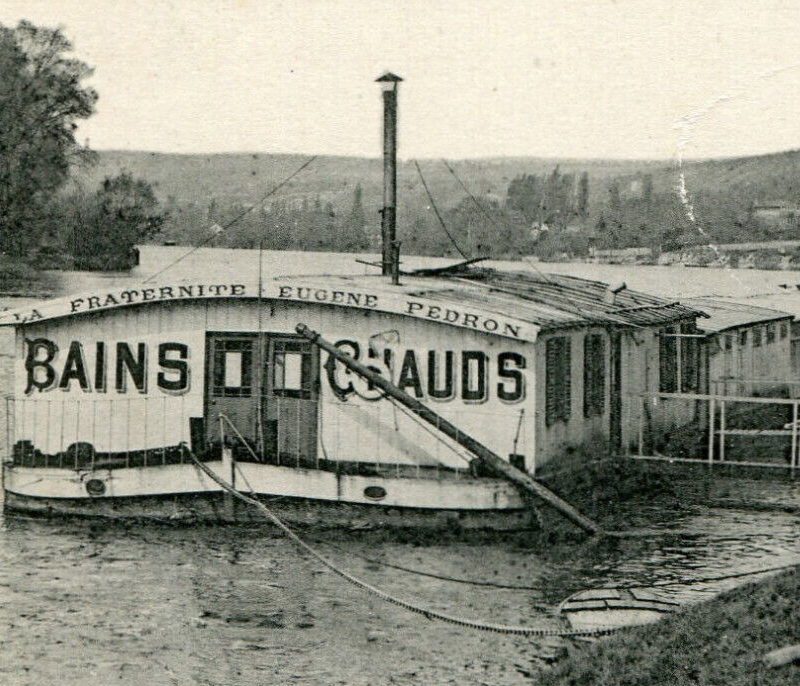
(756, 336)
(667, 361)
(671, 343)
(557, 380)
(594, 375)
(771, 333)
(689, 359)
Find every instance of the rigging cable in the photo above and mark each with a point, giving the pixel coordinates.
(483, 211)
(523, 587)
(439, 216)
(244, 212)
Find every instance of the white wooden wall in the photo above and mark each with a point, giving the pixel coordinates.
(356, 429)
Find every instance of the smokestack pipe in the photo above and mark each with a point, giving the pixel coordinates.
(389, 83)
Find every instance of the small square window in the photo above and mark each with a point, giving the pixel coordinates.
(232, 367)
(292, 375)
(289, 371)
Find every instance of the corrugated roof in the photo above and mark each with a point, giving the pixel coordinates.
(730, 314)
(557, 300)
(784, 300)
(550, 301)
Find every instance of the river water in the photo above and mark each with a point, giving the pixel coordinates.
(97, 603)
(105, 603)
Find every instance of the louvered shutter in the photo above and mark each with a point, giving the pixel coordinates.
(551, 372)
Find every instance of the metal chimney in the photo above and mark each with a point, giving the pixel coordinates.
(389, 250)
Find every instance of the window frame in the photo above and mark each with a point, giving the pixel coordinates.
(222, 346)
(282, 347)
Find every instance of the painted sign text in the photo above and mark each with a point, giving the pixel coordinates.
(124, 365)
(441, 375)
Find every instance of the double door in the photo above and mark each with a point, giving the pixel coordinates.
(267, 387)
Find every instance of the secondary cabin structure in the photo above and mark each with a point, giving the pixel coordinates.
(748, 347)
(110, 385)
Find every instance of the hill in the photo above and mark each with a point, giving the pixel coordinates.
(244, 177)
(241, 177)
(630, 202)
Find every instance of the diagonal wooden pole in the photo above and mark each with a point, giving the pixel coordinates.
(493, 462)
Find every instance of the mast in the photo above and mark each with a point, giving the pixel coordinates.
(389, 251)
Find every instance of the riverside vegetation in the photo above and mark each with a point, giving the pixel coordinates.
(722, 641)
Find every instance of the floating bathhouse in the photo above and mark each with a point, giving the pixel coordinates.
(110, 385)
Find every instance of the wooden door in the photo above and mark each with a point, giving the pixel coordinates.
(290, 403)
(231, 388)
(231, 384)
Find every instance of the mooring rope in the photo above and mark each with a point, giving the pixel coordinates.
(664, 583)
(539, 632)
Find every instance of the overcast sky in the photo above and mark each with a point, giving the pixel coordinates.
(644, 79)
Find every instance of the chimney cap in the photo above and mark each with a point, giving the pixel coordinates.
(618, 287)
(388, 76)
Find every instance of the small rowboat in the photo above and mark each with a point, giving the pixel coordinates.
(615, 607)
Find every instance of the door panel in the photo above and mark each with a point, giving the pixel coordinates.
(290, 403)
(230, 388)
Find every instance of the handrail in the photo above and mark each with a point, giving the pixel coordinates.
(710, 396)
(717, 427)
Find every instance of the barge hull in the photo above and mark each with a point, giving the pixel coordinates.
(181, 492)
(218, 508)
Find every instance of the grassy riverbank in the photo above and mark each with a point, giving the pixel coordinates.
(18, 278)
(605, 488)
(720, 642)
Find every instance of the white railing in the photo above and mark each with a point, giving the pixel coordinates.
(97, 432)
(355, 436)
(750, 386)
(741, 430)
